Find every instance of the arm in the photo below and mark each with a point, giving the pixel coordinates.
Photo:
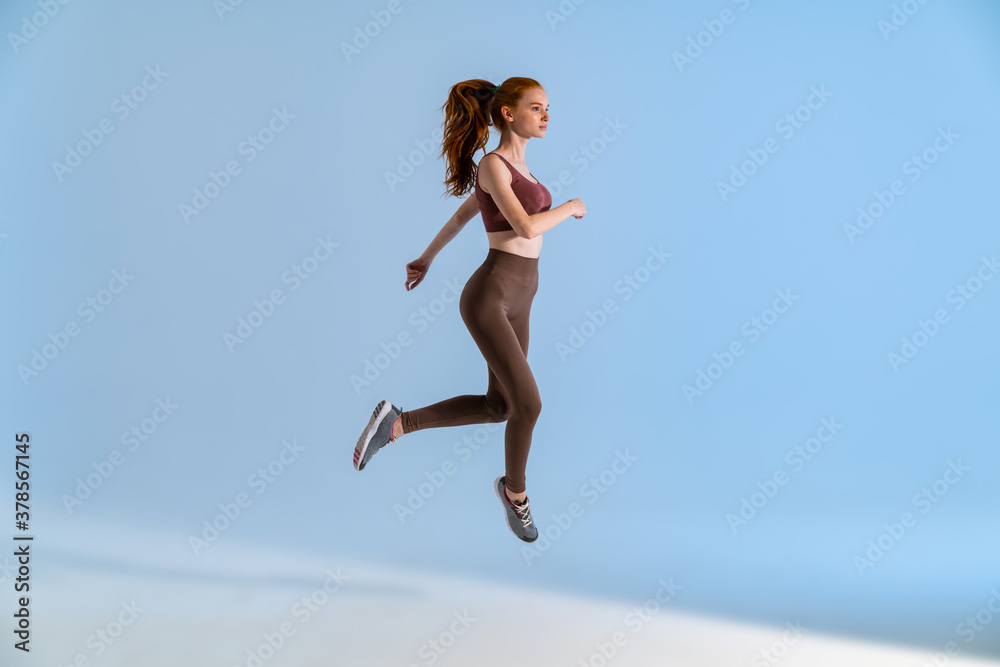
(417, 269)
(455, 224)
(494, 175)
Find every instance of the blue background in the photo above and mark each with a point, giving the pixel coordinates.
(653, 182)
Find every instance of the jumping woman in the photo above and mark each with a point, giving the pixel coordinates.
(496, 301)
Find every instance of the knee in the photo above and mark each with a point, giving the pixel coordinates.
(529, 406)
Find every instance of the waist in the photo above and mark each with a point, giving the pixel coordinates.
(508, 241)
(512, 262)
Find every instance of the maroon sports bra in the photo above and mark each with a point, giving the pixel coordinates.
(534, 197)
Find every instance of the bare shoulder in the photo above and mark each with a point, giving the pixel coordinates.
(492, 171)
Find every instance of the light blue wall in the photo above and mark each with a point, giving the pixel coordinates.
(661, 136)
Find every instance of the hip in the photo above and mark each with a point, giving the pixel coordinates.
(503, 279)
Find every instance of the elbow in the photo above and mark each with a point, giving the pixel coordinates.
(527, 231)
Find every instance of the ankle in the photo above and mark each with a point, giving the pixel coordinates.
(397, 427)
(516, 497)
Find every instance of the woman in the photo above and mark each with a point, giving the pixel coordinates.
(496, 301)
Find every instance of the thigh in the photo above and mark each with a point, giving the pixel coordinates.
(505, 352)
(519, 324)
(495, 307)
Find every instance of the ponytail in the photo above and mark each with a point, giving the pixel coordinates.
(471, 108)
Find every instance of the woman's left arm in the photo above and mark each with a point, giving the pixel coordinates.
(455, 224)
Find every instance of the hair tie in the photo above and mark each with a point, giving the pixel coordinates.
(495, 89)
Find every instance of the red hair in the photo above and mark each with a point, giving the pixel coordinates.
(471, 108)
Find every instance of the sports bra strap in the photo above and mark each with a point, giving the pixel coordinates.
(513, 170)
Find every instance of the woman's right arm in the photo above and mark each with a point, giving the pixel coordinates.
(495, 176)
(539, 223)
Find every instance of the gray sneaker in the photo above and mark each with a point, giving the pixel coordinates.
(517, 514)
(377, 434)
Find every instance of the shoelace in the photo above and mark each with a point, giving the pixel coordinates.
(523, 514)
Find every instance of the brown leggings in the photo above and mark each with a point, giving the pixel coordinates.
(495, 305)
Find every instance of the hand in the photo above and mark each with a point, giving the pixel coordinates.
(415, 272)
(577, 208)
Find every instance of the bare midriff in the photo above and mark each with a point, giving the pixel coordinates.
(509, 241)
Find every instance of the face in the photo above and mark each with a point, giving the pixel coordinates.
(531, 118)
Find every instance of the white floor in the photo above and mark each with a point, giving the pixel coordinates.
(202, 613)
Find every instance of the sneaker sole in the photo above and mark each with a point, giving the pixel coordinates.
(378, 415)
(506, 513)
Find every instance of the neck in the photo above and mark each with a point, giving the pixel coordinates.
(513, 145)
